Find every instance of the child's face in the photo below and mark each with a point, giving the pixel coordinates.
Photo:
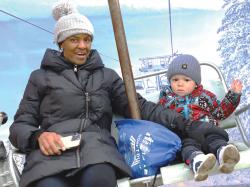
(182, 85)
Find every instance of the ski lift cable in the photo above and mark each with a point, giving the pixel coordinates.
(170, 27)
(39, 27)
(26, 21)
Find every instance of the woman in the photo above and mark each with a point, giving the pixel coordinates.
(74, 94)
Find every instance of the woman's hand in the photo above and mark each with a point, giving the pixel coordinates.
(50, 143)
(236, 86)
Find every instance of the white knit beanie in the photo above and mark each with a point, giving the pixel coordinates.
(69, 22)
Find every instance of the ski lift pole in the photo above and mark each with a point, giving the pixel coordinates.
(124, 59)
(170, 27)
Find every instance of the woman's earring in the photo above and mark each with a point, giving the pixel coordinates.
(61, 49)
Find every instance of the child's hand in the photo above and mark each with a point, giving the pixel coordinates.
(236, 86)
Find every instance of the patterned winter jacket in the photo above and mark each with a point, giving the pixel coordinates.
(201, 104)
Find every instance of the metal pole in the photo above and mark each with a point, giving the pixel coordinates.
(124, 59)
(170, 27)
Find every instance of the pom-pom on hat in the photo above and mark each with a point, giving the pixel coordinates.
(185, 65)
(69, 22)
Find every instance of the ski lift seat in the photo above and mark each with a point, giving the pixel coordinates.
(168, 174)
(180, 172)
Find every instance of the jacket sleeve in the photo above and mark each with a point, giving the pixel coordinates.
(149, 110)
(162, 97)
(166, 98)
(26, 119)
(221, 110)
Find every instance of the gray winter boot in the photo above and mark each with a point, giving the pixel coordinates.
(201, 165)
(228, 157)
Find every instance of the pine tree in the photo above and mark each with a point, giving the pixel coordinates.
(234, 47)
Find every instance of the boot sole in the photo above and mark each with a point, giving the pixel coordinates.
(205, 168)
(230, 158)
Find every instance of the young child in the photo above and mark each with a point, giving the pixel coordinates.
(187, 96)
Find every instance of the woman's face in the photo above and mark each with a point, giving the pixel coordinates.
(182, 85)
(76, 48)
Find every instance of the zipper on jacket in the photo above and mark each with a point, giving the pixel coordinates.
(82, 126)
(83, 123)
(75, 68)
(186, 110)
(87, 104)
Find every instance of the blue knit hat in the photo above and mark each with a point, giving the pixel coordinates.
(185, 65)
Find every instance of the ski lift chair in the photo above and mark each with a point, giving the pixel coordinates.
(169, 174)
(180, 172)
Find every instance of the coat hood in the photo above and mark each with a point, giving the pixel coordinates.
(54, 60)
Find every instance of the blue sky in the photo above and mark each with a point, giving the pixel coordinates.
(194, 23)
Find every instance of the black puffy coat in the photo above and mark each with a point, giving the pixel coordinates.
(66, 99)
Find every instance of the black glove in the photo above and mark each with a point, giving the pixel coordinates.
(179, 124)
